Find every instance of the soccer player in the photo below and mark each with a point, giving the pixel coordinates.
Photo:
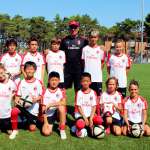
(111, 106)
(34, 56)
(118, 65)
(33, 89)
(72, 46)
(7, 91)
(94, 58)
(55, 60)
(12, 61)
(54, 100)
(85, 105)
(135, 109)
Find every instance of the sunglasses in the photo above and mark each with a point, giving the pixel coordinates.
(73, 27)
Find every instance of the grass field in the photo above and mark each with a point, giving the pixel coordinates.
(35, 141)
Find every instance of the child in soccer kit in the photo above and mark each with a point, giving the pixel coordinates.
(30, 89)
(85, 106)
(12, 61)
(55, 60)
(118, 65)
(94, 57)
(54, 101)
(7, 92)
(135, 110)
(111, 107)
(36, 57)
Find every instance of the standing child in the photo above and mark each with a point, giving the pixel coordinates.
(54, 100)
(118, 66)
(85, 105)
(34, 56)
(30, 89)
(7, 91)
(135, 110)
(94, 57)
(12, 61)
(111, 106)
(55, 60)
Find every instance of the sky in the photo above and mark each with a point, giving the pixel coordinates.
(107, 12)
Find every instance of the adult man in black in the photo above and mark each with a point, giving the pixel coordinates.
(72, 45)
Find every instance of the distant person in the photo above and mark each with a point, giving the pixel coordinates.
(118, 65)
(94, 57)
(72, 45)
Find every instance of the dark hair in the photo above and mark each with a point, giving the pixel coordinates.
(112, 78)
(32, 39)
(133, 82)
(86, 74)
(55, 40)
(53, 74)
(11, 41)
(30, 63)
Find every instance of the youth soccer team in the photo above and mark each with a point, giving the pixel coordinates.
(28, 101)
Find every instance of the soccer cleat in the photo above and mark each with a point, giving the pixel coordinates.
(63, 134)
(13, 134)
(107, 130)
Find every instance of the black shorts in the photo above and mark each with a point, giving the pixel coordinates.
(61, 85)
(5, 124)
(72, 78)
(31, 119)
(132, 123)
(97, 87)
(122, 91)
(117, 122)
(52, 119)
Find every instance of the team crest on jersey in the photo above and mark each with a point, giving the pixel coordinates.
(115, 98)
(16, 59)
(60, 57)
(9, 89)
(78, 42)
(57, 95)
(139, 105)
(38, 59)
(91, 98)
(97, 52)
(123, 60)
(35, 88)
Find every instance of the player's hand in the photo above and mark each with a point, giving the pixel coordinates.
(129, 128)
(91, 122)
(17, 102)
(34, 99)
(86, 121)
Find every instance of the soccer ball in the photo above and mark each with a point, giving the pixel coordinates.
(99, 132)
(81, 133)
(137, 130)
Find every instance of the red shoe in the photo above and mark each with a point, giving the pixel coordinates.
(107, 130)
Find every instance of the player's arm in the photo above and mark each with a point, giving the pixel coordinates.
(92, 115)
(62, 102)
(144, 116)
(17, 99)
(42, 73)
(83, 115)
(23, 72)
(36, 99)
(126, 119)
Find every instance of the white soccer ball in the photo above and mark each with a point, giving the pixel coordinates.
(137, 130)
(99, 132)
(81, 133)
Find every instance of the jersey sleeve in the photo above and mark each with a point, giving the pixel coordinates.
(94, 102)
(108, 60)
(78, 100)
(144, 104)
(128, 62)
(63, 57)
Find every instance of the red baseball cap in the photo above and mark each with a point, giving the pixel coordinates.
(74, 23)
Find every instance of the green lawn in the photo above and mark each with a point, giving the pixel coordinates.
(35, 141)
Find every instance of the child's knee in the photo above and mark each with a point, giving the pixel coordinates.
(109, 120)
(117, 131)
(46, 132)
(32, 128)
